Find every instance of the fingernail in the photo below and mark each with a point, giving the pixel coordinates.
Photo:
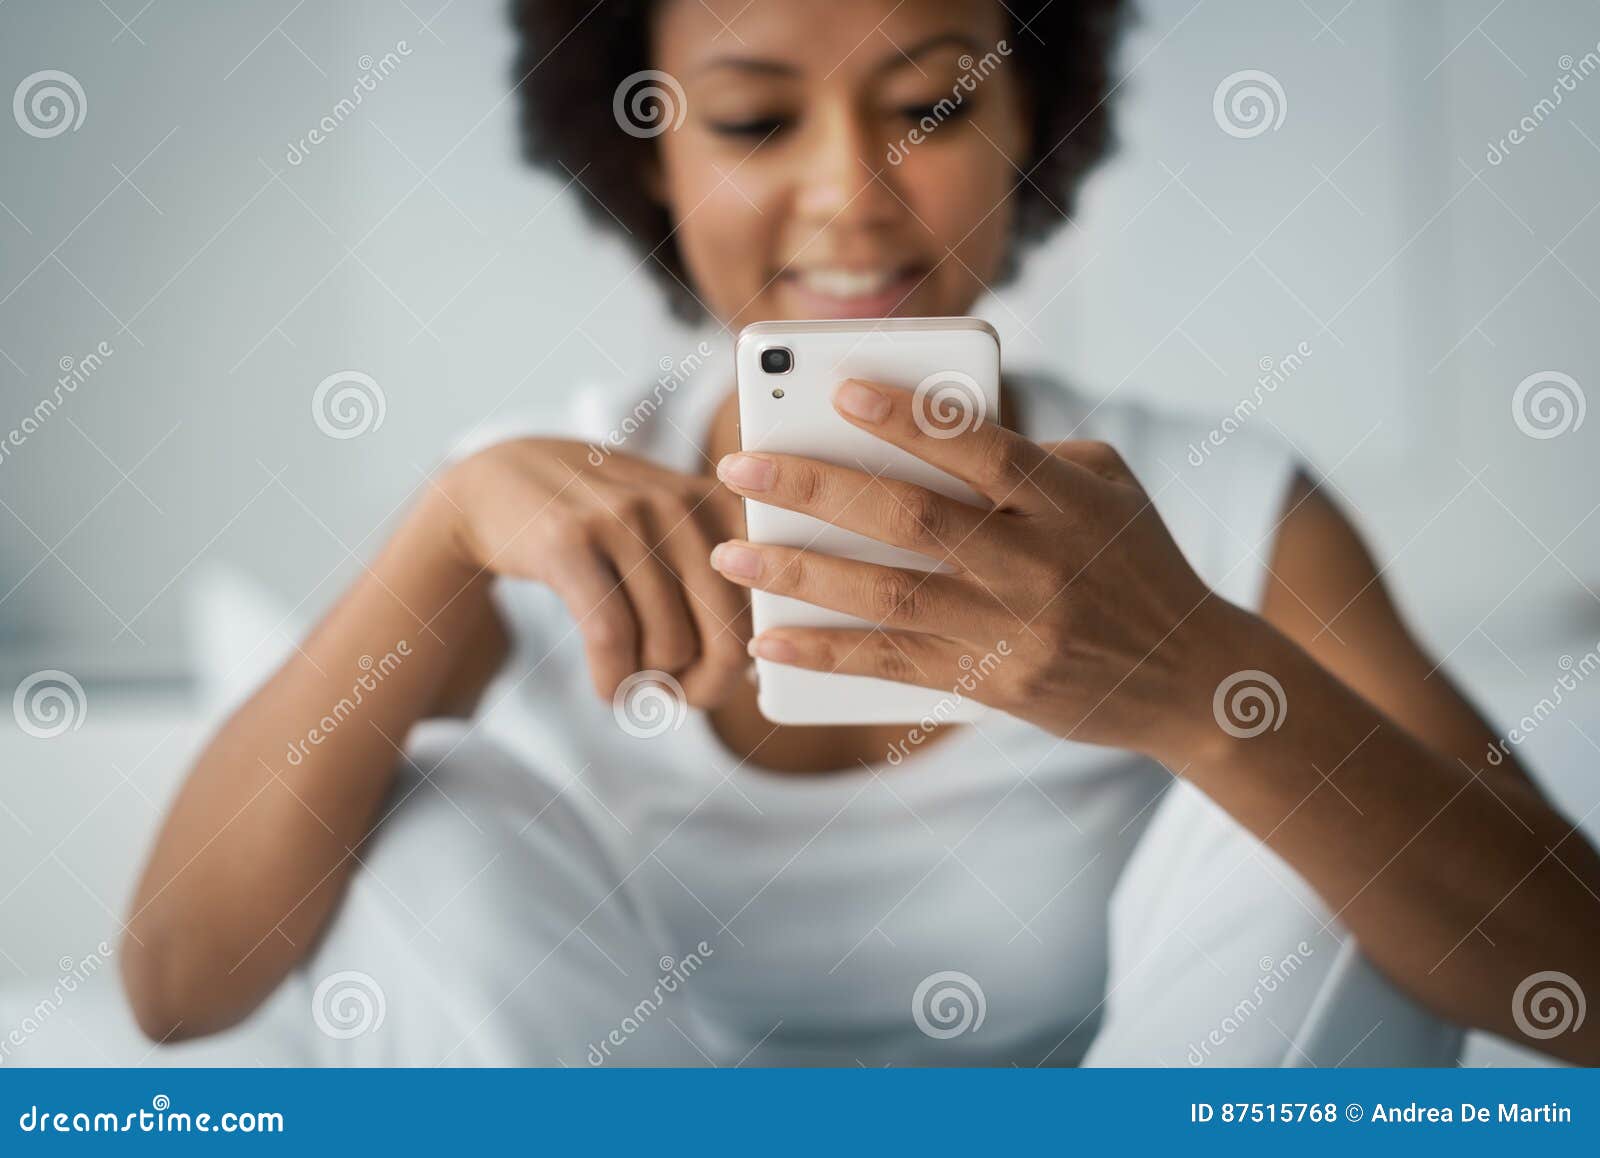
(746, 472)
(777, 650)
(861, 402)
(736, 561)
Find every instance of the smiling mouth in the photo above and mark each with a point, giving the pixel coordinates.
(837, 292)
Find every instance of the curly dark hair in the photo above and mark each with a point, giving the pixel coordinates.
(572, 55)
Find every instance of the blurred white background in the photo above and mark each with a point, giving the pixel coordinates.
(411, 245)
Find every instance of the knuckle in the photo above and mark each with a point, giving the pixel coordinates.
(1002, 464)
(890, 663)
(727, 653)
(807, 485)
(607, 633)
(629, 507)
(894, 595)
(672, 508)
(672, 653)
(786, 572)
(917, 519)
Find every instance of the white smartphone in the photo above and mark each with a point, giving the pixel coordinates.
(787, 372)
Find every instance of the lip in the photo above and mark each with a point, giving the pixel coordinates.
(808, 302)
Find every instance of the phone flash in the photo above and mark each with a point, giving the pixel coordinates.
(777, 391)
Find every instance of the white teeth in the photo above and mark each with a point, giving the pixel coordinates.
(846, 283)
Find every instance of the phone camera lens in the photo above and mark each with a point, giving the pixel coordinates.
(777, 360)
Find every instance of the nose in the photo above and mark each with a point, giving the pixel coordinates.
(843, 173)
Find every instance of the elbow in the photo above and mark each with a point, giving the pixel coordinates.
(171, 989)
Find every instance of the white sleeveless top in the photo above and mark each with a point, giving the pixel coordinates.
(862, 915)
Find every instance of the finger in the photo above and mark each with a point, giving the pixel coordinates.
(721, 613)
(584, 581)
(896, 597)
(951, 431)
(1096, 457)
(905, 657)
(899, 513)
(668, 640)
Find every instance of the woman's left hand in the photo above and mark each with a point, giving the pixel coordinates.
(1107, 634)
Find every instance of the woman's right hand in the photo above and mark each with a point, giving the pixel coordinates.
(626, 546)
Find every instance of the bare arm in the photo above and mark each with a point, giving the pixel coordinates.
(1370, 775)
(1455, 874)
(256, 850)
(258, 847)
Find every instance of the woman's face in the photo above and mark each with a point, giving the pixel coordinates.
(816, 173)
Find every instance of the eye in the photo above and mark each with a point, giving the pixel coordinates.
(944, 109)
(755, 128)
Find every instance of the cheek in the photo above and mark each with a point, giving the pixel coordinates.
(724, 220)
(962, 193)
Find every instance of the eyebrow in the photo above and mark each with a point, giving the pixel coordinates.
(899, 56)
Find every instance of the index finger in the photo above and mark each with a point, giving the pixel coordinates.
(943, 422)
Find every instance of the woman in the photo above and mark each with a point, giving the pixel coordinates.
(807, 886)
